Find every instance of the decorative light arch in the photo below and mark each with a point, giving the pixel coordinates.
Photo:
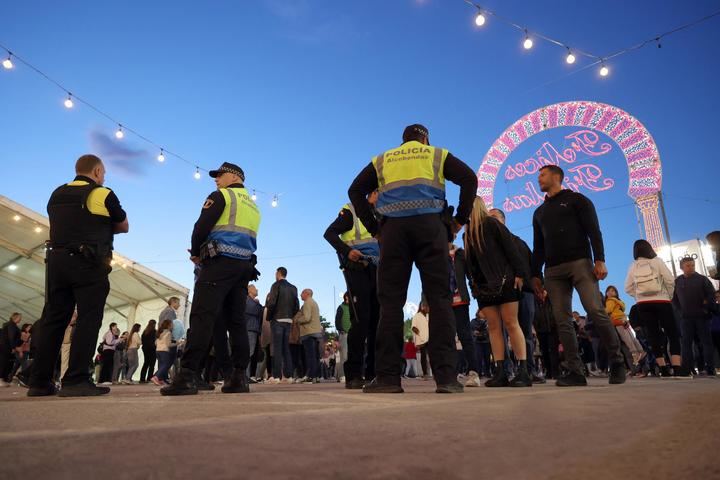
(636, 143)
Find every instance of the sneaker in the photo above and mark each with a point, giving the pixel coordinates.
(537, 379)
(3, 383)
(342, 379)
(618, 374)
(105, 384)
(312, 380)
(302, 380)
(46, 391)
(87, 389)
(287, 381)
(272, 381)
(253, 380)
(473, 380)
(665, 372)
(454, 387)
(183, 383)
(571, 380)
(377, 387)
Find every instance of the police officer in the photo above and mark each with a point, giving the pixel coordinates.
(84, 216)
(411, 184)
(224, 241)
(359, 255)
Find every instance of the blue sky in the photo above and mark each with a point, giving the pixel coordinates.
(302, 93)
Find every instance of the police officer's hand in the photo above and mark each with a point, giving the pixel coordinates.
(355, 255)
(537, 287)
(518, 283)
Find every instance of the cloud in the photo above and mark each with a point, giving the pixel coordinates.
(120, 157)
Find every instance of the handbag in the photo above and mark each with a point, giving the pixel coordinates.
(490, 292)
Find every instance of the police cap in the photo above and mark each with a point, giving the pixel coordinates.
(414, 131)
(229, 168)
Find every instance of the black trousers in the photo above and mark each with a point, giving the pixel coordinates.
(223, 361)
(148, 368)
(421, 240)
(108, 363)
(220, 289)
(72, 281)
(363, 286)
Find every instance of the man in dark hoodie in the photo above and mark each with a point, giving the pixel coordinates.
(567, 239)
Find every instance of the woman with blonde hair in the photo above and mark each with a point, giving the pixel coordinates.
(497, 272)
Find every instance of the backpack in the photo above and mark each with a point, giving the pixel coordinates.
(647, 281)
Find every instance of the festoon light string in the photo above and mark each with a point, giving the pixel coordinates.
(122, 128)
(571, 54)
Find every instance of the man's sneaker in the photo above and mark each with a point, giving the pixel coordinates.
(252, 380)
(618, 374)
(681, 373)
(454, 387)
(272, 381)
(184, 383)
(377, 387)
(571, 379)
(87, 389)
(355, 384)
(665, 372)
(237, 382)
(287, 380)
(473, 380)
(46, 391)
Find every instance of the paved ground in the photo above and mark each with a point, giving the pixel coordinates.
(647, 428)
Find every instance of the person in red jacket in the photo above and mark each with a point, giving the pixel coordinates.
(410, 356)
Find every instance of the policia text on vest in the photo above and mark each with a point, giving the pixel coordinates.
(410, 180)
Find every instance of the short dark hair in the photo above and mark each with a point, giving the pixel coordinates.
(87, 163)
(113, 324)
(685, 260)
(502, 214)
(554, 169)
(282, 271)
(642, 248)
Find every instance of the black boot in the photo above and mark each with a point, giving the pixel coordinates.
(236, 382)
(665, 372)
(87, 389)
(499, 378)
(522, 379)
(184, 383)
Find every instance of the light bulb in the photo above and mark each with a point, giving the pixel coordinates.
(274, 202)
(254, 196)
(528, 43)
(197, 173)
(570, 58)
(7, 63)
(604, 71)
(16, 218)
(12, 268)
(38, 229)
(119, 134)
(480, 20)
(161, 157)
(68, 102)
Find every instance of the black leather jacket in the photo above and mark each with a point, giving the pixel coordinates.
(283, 300)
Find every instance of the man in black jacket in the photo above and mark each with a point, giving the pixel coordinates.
(566, 238)
(282, 305)
(694, 297)
(10, 341)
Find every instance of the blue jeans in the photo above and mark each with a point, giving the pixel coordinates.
(310, 347)
(282, 359)
(700, 327)
(252, 342)
(526, 315)
(164, 363)
(483, 358)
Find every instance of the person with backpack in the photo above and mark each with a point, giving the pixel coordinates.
(652, 285)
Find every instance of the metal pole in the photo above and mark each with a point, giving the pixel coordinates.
(667, 232)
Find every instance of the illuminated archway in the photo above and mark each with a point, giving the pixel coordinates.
(636, 143)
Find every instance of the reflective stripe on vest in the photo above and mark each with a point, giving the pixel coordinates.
(236, 230)
(411, 180)
(359, 238)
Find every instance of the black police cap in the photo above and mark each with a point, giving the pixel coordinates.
(412, 131)
(229, 168)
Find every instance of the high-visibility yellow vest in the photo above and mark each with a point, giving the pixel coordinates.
(410, 180)
(236, 230)
(359, 238)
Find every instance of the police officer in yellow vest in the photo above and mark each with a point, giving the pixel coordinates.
(84, 216)
(359, 255)
(411, 184)
(224, 241)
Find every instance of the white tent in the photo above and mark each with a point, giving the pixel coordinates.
(137, 293)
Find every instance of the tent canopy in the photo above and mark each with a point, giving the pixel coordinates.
(136, 292)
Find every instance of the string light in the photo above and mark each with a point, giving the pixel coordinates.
(16, 218)
(604, 70)
(197, 173)
(7, 63)
(274, 202)
(161, 157)
(38, 230)
(68, 101)
(12, 267)
(119, 134)
(570, 59)
(254, 196)
(480, 19)
(528, 43)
